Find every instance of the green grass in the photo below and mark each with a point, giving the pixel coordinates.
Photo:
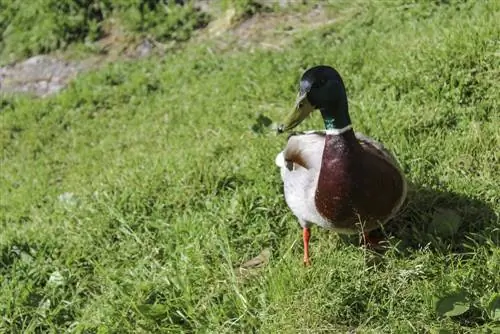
(43, 26)
(46, 26)
(128, 199)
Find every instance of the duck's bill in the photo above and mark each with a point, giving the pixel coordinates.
(301, 110)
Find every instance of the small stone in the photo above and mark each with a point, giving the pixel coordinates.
(144, 48)
(68, 198)
(56, 279)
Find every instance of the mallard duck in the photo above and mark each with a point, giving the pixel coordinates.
(340, 180)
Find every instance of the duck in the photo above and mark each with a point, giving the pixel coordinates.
(335, 178)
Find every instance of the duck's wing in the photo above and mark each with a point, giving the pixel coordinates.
(303, 150)
(377, 148)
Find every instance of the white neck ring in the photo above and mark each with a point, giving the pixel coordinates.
(338, 131)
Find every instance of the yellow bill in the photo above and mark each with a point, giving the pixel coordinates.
(301, 110)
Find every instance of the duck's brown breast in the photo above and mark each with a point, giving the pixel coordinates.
(356, 185)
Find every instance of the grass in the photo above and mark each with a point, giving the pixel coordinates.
(128, 199)
(49, 25)
(77, 27)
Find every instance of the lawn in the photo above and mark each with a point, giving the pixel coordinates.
(130, 200)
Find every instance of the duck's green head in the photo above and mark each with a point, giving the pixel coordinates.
(320, 87)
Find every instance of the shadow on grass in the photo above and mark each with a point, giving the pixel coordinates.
(442, 221)
(438, 220)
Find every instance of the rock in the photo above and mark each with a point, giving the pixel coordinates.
(40, 75)
(144, 48)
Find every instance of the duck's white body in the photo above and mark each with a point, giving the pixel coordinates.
(300, 164)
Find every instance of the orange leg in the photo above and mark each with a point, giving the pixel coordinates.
(306, 235)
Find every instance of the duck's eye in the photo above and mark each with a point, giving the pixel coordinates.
(319, 83)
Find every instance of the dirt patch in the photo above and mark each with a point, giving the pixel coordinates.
(44, 75)
(39, 75)
(274, 31)
(263, 30)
